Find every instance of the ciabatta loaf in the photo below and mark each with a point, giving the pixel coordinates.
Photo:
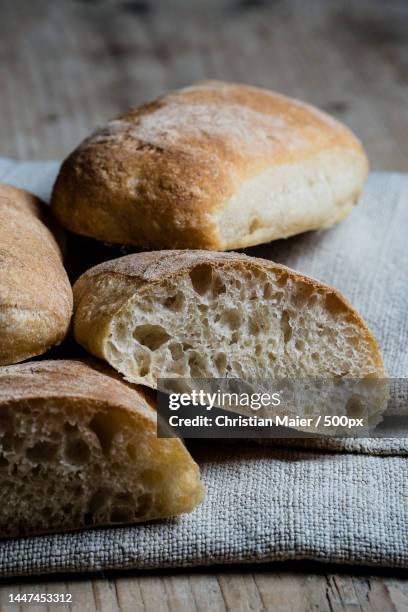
(213, 166)
(78, 448)
(206, 314)
(35, 293)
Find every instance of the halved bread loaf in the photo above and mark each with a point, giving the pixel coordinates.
(78, 448)
(35, 293)
(212, 166)
(206, 314)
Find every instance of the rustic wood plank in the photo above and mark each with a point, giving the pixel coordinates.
(240, 592)
(304, 587)
(82, 62)
(292, 592)
(153, 591)
(373, 595)
(129, 595)
(207, 592)
(83, 596)
(105, 595)
(179, 593)
(398, 591)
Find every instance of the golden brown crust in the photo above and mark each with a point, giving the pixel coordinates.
(155, 176)
(136, 272)
(35, 293)
(72, 380)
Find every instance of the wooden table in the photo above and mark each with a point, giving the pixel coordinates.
(68, 65)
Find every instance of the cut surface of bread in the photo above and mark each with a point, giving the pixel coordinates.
(200, 314)
(35, 293)
(213, 166)
(78, 448)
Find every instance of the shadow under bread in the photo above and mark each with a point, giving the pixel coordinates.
(83, 253)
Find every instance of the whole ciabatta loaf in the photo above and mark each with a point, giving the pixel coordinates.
(78, 448)
(206, 314)
(213, 166)
(35, 293)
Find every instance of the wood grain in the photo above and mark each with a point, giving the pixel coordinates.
(282, 587)
(67, 66)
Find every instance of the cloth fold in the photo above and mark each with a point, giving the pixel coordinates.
(263, 504)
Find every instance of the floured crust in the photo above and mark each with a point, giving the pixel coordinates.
(72, 380)
(161, 175)
(35, 293)
(102, 291)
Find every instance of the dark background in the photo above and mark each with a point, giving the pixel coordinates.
(68, 65)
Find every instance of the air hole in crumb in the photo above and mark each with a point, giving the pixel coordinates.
(218, 286)
(151, 336)
(144, 369)
(303, 294)
(354, 341)
(124, 497)
(98, 500)
(121, 332)
(220, 361)
(176, 351)
(237, 366)
(334, 304)
(105, 428)
(286, 328)
(255, 225)
(121, 515)
(315, 357)
(254, 326)
(231, 318)
(42, 451)
(201, 278)
(175, 302)
(300, 345)
(7, 441)
(354, 407)
(70, 429)
(6, 420)
(268, 291)
(282, 280)
(234, 338)
(10, 442)
(143, 504)
(77, 452)
(197, 365)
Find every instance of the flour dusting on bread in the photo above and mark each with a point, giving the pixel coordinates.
(174, 173)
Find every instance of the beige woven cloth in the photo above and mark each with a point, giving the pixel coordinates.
(263, 503)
